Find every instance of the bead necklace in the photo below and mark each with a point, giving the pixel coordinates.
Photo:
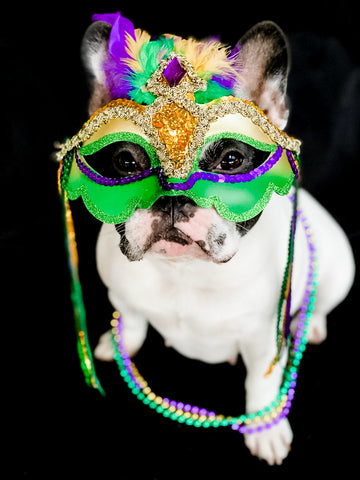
(201, 417)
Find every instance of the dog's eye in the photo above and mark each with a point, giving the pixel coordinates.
(230, 161)
(119, 159)
(230, 156)
(125, 163)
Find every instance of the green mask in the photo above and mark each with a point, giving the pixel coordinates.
(160, 149)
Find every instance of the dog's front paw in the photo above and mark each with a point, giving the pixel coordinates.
(318, 329)
(104, 350)
(271, 445)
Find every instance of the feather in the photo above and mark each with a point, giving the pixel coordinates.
(121, 30)
(133, 47)
(214, 90)
(212, 60)
(133, 57)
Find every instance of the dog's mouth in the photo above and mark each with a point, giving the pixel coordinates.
(174, 235)
(173, 242)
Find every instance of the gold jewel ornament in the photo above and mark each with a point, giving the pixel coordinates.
(173, 130)
(172, 97)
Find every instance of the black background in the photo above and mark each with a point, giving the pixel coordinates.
(66, 428)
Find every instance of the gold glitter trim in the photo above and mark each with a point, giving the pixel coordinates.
(174, 123)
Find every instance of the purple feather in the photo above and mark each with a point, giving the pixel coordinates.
(115, 69)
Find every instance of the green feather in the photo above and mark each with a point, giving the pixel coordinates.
(150, 56)
(213, 91)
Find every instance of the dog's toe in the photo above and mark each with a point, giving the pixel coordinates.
(317, 329)
(104, 350)
(271, 445)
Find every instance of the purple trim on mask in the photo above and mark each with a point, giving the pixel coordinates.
(292, 163)
(190, 182)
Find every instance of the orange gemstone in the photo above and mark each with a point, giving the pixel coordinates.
(175, 127)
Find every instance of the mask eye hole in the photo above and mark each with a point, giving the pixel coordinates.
(231, 156)
(119, 159)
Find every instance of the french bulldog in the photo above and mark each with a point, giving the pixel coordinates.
(210, 286)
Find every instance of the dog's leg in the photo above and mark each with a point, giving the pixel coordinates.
(272, 444)
(134, 334)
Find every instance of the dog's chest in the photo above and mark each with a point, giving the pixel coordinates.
(214, 301)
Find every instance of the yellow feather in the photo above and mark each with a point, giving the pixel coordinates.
(207, 58)
(133, 48)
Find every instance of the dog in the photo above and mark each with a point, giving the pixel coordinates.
(207, 284)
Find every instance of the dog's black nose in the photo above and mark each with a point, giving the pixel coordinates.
(179, 208)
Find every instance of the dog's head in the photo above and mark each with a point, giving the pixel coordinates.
(185, 158)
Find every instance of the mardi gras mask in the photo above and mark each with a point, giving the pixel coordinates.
(128, 154)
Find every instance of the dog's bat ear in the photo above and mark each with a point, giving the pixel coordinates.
(264, 55)
(93, 51)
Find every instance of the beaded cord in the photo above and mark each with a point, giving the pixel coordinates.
(83, 346)
(201, 417)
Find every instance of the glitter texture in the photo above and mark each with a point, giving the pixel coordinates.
(175, 127)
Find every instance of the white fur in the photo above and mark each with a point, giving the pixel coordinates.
(213, 311)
